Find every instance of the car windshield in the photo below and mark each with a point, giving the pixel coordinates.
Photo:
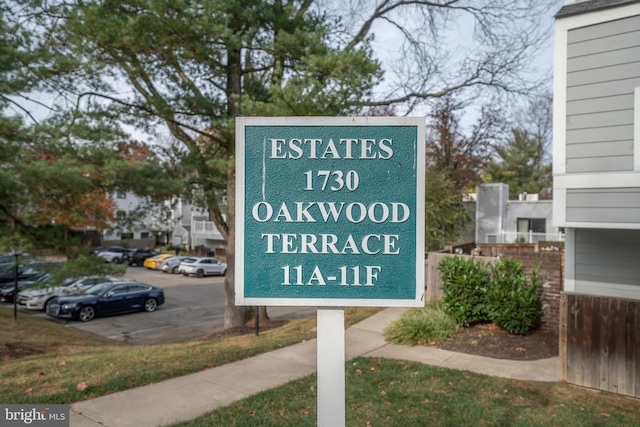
(98, 289)
(69, 281)
(43, 278)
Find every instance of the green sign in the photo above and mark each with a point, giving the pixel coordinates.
(330, 211)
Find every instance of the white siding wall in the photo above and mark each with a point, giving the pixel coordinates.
(597, 117)
(541, 209)
(603, 70)
(491, 209)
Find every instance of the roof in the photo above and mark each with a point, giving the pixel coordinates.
(591, 6)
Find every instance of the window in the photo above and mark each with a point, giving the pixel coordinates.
(535, 225)
(118, 290)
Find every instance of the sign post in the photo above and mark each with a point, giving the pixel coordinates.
(330, 213)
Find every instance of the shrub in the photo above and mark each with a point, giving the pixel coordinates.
(422, 325)
(464, 286)
(512, 301)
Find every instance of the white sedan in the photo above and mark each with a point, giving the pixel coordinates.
(204, 266)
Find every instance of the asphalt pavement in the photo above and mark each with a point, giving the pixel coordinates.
(185, 398)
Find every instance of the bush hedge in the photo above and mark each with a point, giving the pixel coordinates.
(501, 293)
(464, 285)
(424, 325)
(513, 302)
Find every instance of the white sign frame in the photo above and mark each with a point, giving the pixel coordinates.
(241, 122)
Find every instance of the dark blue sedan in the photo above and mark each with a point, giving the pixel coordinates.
(107, 298)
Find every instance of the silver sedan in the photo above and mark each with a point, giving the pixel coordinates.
(170, 265)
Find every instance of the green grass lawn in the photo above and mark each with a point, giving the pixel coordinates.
(67, 365)
(389, 393)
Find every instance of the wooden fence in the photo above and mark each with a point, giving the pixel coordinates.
(600, 343)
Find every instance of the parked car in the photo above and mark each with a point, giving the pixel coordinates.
(106, 299)
(106, 248)
(8, 290)
(27, 271)
(153, 262)
(37, 298)
(113, 254)
(204, 266)
(10, 259)
(136, 257)
(170, 265)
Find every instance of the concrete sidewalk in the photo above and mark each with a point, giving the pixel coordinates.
(185, 398)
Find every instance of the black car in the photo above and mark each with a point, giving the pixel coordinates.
(7, 290)
(136, 257)
(27, 271)
(107, 298)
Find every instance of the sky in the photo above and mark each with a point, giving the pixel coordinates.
(386, 48)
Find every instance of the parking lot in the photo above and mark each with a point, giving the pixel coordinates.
(194, 308)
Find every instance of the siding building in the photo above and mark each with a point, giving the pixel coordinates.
(596, 167)
(596, 145)
(501, 220)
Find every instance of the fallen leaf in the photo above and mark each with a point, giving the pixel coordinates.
(82, 386)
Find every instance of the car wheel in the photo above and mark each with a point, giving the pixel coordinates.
(174, 270)
(200, 274)
(117, 260)
(86, 313)
(133, 264)
(150, 305)
(46, 304)
(224, 272)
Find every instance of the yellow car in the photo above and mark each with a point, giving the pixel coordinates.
(153, 262)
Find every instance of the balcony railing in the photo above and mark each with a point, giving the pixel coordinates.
(529, 237)
(205, 229)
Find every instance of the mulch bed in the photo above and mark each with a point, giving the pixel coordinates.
(492, 341)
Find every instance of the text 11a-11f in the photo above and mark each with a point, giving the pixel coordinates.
(347, 276)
